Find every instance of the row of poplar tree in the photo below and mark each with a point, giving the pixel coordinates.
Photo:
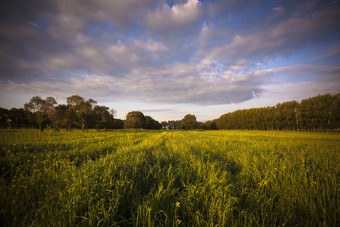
(319, 113)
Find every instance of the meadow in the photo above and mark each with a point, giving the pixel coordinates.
(169, 178)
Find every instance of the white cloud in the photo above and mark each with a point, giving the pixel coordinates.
(301, 90)
(155, 86)
(77, 13)
(167, 17)
(120, 50)
(154, 48)
(282, 38)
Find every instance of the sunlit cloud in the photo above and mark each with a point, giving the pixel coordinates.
(195, 53)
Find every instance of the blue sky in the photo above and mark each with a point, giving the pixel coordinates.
(169, 58)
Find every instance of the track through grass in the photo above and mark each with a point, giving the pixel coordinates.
(169, 178)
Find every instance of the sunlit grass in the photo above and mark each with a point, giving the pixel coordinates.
(169, 178)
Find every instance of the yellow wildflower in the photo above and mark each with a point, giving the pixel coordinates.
(177, 204)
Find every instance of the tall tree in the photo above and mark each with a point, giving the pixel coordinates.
(118, 124)
(42, 110)
(189, 122)
(334, 120)
(113, 112)
(60, 117)
(4, 118)
(74, 100)
(82, 109)
(211, 125)
(135, 119)
(152, 123)
(18, 118)
(102, 117)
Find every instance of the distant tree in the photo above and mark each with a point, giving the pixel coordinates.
(102, 117)
(317, 113)
(200, 125)
(164, 124)
(118, 124)
(334, 119)
(84, 113)
(135, 119)
(189, 122)
(174, 124)
(4, 118)
(49, 107)
(210, 125)
(34, 107)
(152, 123)
(70, 118)
(290, 112)
(75, 100)
(308, 115)
(60, 116)
(18, 118)
(113, 112)
(222, 122)
(41, 110)
(80, 110)
(320, 112)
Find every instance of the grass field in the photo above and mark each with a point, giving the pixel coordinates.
(169, 178)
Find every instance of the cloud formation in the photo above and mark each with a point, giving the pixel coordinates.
(166, 17)
(184, 51)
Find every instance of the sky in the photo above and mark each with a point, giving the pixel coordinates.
(169, 58)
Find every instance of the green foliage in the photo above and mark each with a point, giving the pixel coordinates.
(81, 111)
(152, 123)
(4, 118)
(135, 119)
(45, 113)
(189, 122)
(102, 116)
(171, 178)
(210, 125)
(17, 118)
(319, 113)
(41, 110)
(171, 124)
(118, 124)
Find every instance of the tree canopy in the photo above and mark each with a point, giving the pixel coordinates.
(319, 113)
(135, 119)
(77, 113)
(189, 122)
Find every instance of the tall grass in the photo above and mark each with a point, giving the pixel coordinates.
(169, 178)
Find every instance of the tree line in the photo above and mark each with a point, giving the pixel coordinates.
(77, 113)
(319, 113)
(45, 113)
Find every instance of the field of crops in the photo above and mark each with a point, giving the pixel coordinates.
(169, 178)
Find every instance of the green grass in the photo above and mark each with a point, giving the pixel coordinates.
(169, 178)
